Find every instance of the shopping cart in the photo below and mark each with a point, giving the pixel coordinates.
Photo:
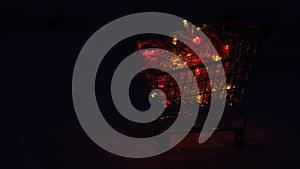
(236, 43)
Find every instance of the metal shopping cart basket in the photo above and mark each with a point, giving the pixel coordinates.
(236, 44)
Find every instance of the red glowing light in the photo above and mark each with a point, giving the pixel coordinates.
(149, 53)
(160, 86)
(196, 40)
(197, 71)
(167, 103)
(226, 48)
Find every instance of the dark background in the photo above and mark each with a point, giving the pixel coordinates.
(40, 41)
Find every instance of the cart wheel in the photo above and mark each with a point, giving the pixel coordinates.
(239, 137)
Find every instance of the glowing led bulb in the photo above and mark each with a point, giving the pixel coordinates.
(174, 41)
(160, 86)
(228, 86)
(226, 48)
(216, 58)
(197, 71)
(186, 25)
(196, 40)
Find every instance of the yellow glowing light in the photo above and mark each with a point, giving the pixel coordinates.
(188, 54)
(198, 28)
(228, 86)
(153, 94)
(213, 89)
(193, 29)
(186, 25)
(185, 22)
(174, 41)
(216, 58)
(199, 98)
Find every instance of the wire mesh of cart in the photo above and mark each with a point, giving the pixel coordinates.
(236, 44)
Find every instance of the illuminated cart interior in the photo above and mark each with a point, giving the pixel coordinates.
(236, 44)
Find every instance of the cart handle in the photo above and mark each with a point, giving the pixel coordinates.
(263, 30)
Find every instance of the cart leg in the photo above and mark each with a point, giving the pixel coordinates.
(244, 114)
(239, 137)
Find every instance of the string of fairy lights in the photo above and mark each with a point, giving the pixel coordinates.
(202, 93)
